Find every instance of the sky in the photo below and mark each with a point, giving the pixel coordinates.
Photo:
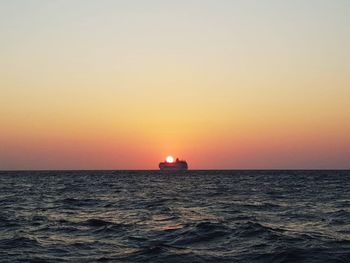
(223, 84)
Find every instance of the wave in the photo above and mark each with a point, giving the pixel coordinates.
(79, 202)
(6, 222)
(198, 233)
(163, 253)
(310, 255)
(105, 227)
(19, 242)
(339, 217)
(254, 229)
(97, 222)
(205, 216)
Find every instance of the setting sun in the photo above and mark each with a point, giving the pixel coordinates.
(169, 159)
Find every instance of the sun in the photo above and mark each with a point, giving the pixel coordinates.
(169, 159)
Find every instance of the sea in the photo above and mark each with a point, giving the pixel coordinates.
(192, 216)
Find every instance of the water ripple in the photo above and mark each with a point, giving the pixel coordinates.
(199, 216)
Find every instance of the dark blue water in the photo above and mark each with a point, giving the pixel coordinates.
(198, 216)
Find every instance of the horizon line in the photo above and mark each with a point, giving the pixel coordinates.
(155, 170)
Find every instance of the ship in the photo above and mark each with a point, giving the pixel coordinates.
(177, 165)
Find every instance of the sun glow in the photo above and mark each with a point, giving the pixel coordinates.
(169, 159)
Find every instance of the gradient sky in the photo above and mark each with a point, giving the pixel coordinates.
(223, 84)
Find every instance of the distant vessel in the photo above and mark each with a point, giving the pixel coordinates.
(178, 165)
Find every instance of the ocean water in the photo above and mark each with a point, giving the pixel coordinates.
(195, 216)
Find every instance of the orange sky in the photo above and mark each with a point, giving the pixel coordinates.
(222, 84)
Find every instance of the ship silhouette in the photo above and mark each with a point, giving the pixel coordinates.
(178, 165)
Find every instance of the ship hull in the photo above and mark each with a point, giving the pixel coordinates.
(177, 166)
